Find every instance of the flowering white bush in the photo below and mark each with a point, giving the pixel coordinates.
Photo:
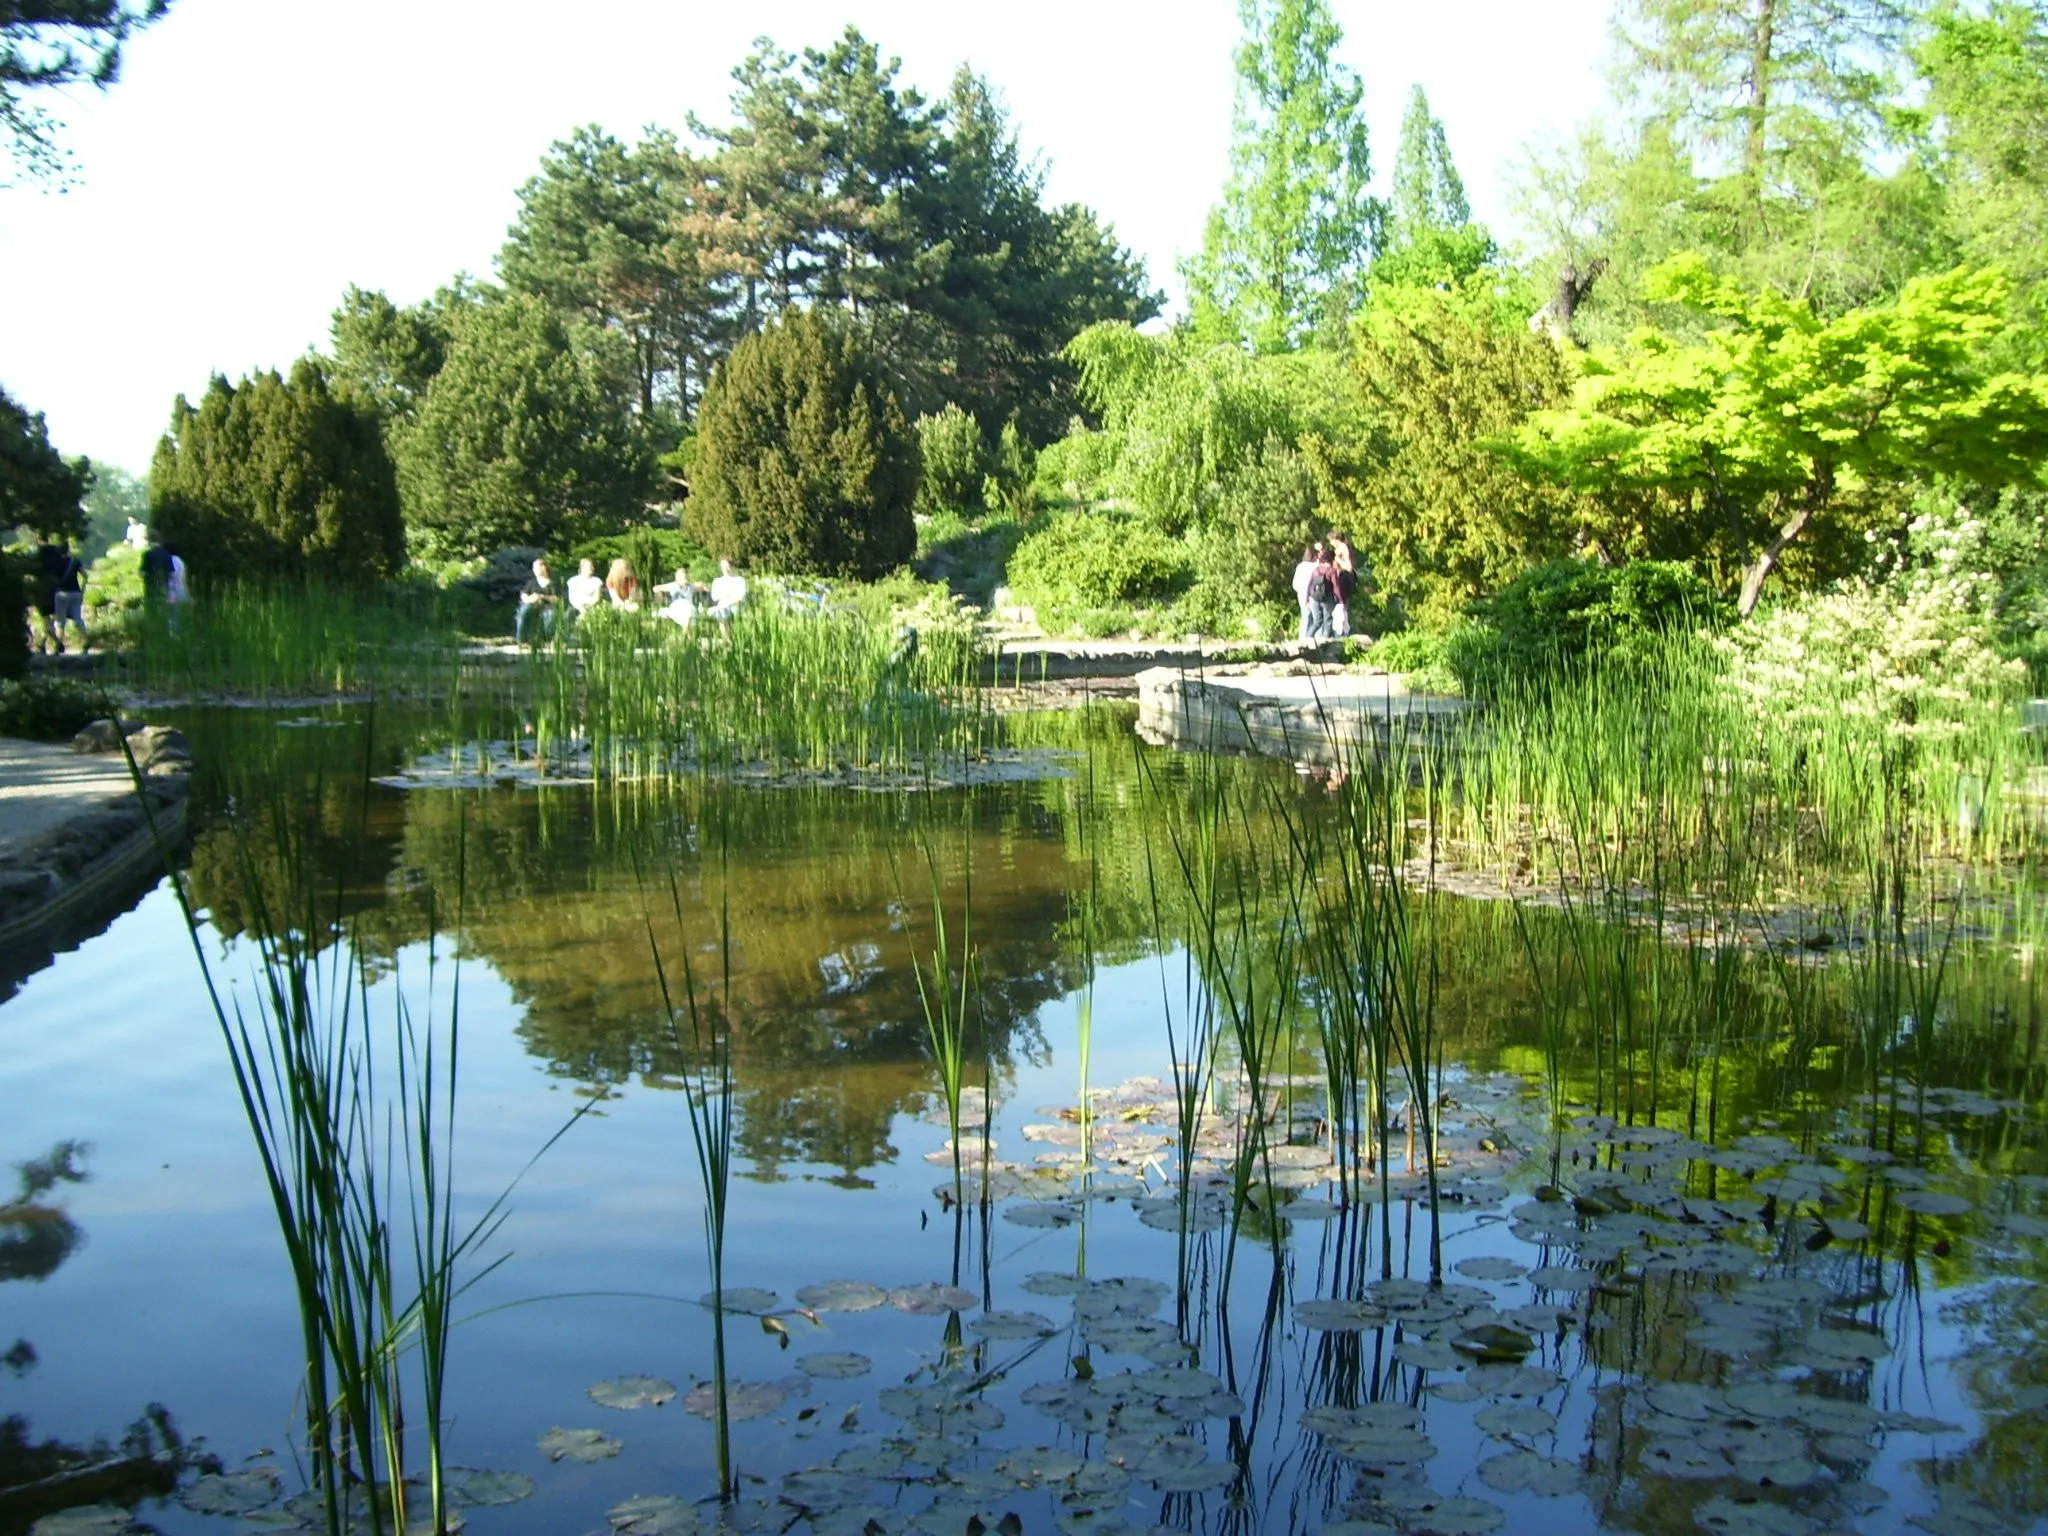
(1908, 653)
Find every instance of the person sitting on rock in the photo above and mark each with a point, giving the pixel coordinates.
(585, 588)
(539, 596)
(682, 595)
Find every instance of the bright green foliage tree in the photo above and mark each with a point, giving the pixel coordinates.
(39, 489)
(1438, 372)
(1296, 226)
(1430, 236)
(804, 461)
(1778, 415)
(54, 43)
(1182, 416)
(275, 477)
(517, 440)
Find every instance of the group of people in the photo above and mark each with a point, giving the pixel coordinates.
(57, 599)
(679, 600)
(1324, 584)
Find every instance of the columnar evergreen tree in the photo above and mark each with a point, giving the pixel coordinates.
(39, 489)
(277, 476)
(1296, 226)
(1430, 237)
(804, 460)
(518, 440)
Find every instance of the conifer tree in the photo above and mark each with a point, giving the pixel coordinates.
(277, 476)
(1296, 225)
(1431, 239)
(39, 490)
(804, 460)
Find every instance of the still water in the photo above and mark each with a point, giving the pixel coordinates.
(1743, 1319)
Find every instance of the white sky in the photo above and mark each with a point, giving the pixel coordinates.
(260, 155)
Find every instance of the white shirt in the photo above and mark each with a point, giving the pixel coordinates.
(174, 589)
(137, 536)
(728, 591)
(584, 592)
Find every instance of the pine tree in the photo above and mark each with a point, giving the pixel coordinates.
(1431, 239)
(804, 460)
(1296, 225)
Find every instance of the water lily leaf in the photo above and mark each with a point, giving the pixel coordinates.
(87, 1520)
(1555, 1277)
(232, 1493)
(1932, 1202)
(931, 1299)
(1683, 1399)
(842, 1296)
(1011, 1325)
(1796, 1472)
(1427, 1354)
(1503, 1419)
(656, 1514)
(475, 1488)
(632, 1392)
(820, 1489)
(743, 1400)
(1328, 1315)
(585, 1445)
(1832, 1348)
(1039, 1464)
(1490, 1268)
(1526, 1472)
(1425, 1512)
(748, 1299)
(1751, 1517)
(1043, 1213)
(835, 1365)
(1683, 1458)
(1047, 1282)
(1493, 1342)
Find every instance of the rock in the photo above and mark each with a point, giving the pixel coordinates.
(100, 736)
(159, 749)
(23, 890)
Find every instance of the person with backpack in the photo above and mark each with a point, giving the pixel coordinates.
(1321, 594)
(1302, 574)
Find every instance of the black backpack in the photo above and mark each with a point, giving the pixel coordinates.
(1320, 588)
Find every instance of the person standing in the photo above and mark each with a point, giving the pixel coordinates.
(137, 536)
(1322, 594)
(1302, 572)
(69, 598)
(157, 569)
(49, 569)
(539, 596)
(1347, 584)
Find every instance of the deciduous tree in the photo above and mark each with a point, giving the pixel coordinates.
(1296, 226)
(39, 489)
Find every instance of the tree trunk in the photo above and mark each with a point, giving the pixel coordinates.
(1753, 579)
(1762, 43)
(1555, 317)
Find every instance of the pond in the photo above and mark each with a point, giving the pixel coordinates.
(1722, 1244)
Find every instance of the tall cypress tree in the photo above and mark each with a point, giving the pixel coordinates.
(1431, 239)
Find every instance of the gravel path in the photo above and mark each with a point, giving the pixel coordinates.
(42, 785)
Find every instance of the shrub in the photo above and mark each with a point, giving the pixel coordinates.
(1245, 558)
(50, 708)
(804, 461)
(1562, 615)
(653, 552)
(956, 462)
(277, 477)
(1082, 563)
(1076, 468)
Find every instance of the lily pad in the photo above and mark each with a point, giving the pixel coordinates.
(842, 1296)
(747, 1299)
(1042, 1213)
(929, 1300)
(628, 1392)
(475, 1488)
(743, 1400)
(656, 1514)
(88, 1520)
(835, 1365)
(1932, 1202)
(1011, 1325)
(1502, 1419)
(585, 1445)
(1526, 1472)
(1491, 1268)
(232, 1493)
(1493, 1342)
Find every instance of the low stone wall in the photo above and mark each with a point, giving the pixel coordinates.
(91, 850)
(1304, 713)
